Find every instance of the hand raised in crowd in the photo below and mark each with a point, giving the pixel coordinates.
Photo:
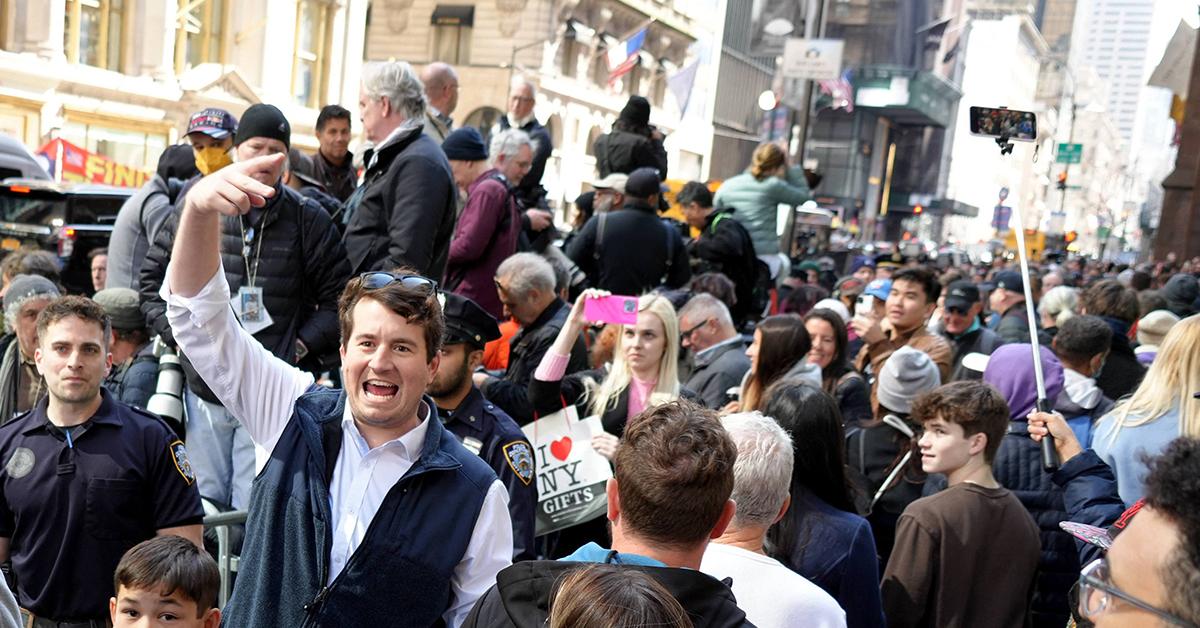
(539, 219)
(1053, 423)
(576, 318)
(605, 444)
(232, 190)
(868, 328)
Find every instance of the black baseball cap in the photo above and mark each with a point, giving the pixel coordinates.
(1008, 280)
(961, 295)
(467, 321)
(643, 183)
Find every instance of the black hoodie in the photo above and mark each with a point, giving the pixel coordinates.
(521, 596)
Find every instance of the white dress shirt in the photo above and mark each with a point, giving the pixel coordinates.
(261, 391)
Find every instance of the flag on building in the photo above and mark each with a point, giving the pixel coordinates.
(623, 56)
(840, 92)
(681, 84)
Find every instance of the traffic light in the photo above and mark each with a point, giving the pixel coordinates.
(1062, 180)
(917, 210)
(1071, 236)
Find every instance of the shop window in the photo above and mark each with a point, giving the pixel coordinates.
(452, 25)
(312, 46)
(94, 32)
(200, 32)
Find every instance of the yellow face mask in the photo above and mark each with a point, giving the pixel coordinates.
(212, 159)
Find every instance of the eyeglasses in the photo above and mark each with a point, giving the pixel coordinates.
(687, 333)
(1096, 593)
(377, 279)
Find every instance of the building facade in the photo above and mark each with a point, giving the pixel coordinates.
(563, 47)
(121, 77)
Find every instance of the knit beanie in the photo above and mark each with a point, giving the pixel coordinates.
(905, 375)
(1010, 371)
(263, 120)
(1153, 327)
(25, 287)
(636, 111)
(465, 144)
(1181, 293)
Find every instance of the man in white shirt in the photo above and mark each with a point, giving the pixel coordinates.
(770, 593)
(364, 511)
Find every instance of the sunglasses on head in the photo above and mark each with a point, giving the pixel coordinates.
(377, 279)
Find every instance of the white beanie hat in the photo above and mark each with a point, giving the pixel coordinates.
(906, 374)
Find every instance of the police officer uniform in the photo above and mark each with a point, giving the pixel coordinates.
(487, 430)
(74, 500)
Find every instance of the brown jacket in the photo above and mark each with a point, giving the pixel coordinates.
(874, 355)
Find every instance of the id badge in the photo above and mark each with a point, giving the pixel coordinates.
(250, 309)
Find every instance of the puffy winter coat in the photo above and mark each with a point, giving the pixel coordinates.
(624, 152)
(757, 204)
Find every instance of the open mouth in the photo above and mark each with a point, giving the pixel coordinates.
(380, 390)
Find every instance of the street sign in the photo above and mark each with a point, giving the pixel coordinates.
(1003, 194)
(812, 59)
(1069, 153)
(1001, 215)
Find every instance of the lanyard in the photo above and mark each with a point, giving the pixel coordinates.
(247, 240)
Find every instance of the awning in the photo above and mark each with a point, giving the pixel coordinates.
(906, 96)
(453, 15)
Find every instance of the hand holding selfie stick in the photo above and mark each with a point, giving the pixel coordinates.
(1049, 455)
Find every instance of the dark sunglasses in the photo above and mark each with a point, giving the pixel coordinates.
(377, 279)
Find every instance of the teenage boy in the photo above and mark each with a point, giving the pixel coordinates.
(965, 556)
(910, 302)
(165, 581)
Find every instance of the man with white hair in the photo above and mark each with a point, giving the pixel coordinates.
(441, 90)
(769, 592)
(490, 224)
(718, 351)
(403, 213)
(530, 193)
(526, 285)
(21, 383)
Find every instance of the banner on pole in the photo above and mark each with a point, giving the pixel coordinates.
(68, 162)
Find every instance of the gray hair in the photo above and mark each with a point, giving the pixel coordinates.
(1060, 304)
(396, 81)
(762, 474)
(526, 272)
(508, 143)
(522, 81)
(704, 306)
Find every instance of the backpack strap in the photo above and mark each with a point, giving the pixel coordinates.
(598, 249)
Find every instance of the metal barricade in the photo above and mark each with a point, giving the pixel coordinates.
(227, 563)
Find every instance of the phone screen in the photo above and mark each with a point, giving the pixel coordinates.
(1020, 126)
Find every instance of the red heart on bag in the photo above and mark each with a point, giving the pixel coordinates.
(561, 448)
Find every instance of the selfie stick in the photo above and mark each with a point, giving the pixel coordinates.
(1049, 455)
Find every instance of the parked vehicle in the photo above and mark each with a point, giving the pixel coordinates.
(17, 162)
(68, 220)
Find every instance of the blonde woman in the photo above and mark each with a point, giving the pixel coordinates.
(1161, 409)
(756, 195)
(643, 372)
(1057, 306)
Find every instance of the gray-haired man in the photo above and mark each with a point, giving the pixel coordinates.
(403, 213)
(21, 384)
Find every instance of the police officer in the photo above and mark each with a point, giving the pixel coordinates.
(85, 477)
(482, 427)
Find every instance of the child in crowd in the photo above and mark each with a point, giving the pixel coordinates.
(966, 556)
(165, 581)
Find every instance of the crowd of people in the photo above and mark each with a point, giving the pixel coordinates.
(369, 342)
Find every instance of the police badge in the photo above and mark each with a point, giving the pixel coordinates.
(520, 460)
(180, 457)
(21, 463)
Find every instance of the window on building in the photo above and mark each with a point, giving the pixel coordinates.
(452, 24)
(200, 31)
(310, 58)
(94, 32)
(568, 55)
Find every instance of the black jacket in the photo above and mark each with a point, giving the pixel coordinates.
(982, 340)
(635, 252)
(724, 246)
(530, 192)
(301, 268)
(717, 372)
(528, 347)
(1014, 326)
(521, 597)
(405, 210)
(624, 152)
(1122, 372)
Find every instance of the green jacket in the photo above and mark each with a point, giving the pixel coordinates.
(757, 204)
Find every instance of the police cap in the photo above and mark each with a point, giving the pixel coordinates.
(467, 322)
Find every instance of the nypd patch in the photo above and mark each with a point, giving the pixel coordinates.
(180, 458)
(520, 460)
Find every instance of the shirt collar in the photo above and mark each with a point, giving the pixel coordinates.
(410, 444)
(106, 414)
(703, 357)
